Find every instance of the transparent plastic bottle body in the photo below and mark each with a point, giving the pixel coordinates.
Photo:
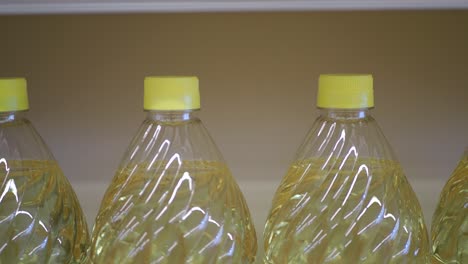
(173, 200)
(345, 199)
(41, 220)
(450, 221)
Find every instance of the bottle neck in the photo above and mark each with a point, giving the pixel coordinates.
(9, 116)
(171, 116)
(345, 114)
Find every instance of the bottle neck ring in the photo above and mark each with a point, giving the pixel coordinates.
(345, 114)
(9, 116)
(171, 116)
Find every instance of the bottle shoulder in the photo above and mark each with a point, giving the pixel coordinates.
(342, 137)
(20, 140)
(162, 141)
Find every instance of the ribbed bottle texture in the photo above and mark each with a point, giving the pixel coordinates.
(41, 220)
(450, 221)
(345, 198)
(173, 198)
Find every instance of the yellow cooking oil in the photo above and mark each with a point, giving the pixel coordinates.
(40, 218)
(175, 212)
(450, 221)
(345, 211)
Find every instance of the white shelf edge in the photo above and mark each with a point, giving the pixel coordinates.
(165, 6)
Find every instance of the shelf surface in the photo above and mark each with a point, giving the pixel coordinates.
(160, 6)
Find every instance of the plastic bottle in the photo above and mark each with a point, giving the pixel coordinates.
(173, 199)
(41, 220)
(345, 198)
(450, 221)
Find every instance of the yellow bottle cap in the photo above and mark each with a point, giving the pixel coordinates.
(345, 91)
(13, 95)
(171, 93)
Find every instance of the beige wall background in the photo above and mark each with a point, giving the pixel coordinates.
(258, 75)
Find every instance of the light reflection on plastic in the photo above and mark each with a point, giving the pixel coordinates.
(169, 163)
(327, 137)
(10, 185)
